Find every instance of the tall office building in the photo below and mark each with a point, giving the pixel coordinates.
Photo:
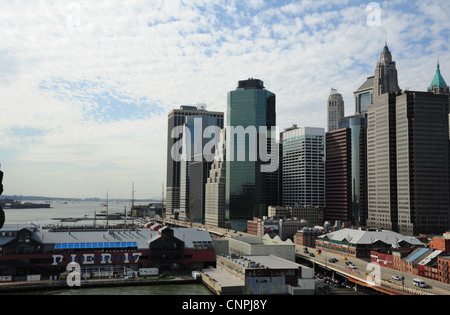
(303, 166)
(176, 118)
(386, 78)
(215, 187)
(381, 146)
(358, 134)
(408, 157)
(338, 176)
(422, 163)
(335, 110)
(382, 163)
(250, 106)
(194, 168)
(363, 96)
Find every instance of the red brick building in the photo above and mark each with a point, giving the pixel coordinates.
(440, 243)
(307, 237)
(444, 269)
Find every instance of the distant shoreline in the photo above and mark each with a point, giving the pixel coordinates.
(95, 199)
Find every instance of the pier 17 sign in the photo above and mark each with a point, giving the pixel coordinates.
(97, 258)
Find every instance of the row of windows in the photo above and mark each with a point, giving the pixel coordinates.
(95, 245)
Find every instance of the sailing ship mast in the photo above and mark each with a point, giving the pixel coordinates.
(162, 204)
(132, 206)
(107, 214)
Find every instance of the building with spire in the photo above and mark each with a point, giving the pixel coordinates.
(438, 85)
(336, 110)
(386, 79)
(381, 149)
(407, 155)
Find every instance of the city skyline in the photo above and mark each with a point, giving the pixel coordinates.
(87, 86)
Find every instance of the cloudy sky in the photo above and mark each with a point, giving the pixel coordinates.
(86, 86)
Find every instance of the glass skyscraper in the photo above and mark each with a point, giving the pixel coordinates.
(247, 188)
(364, 96)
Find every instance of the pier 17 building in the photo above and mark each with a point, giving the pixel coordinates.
(28, 250)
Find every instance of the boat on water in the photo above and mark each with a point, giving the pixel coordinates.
(8, 204)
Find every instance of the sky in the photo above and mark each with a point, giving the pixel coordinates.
(86, 86)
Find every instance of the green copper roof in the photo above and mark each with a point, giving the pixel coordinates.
(438, 80)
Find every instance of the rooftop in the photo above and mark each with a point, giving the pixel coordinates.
(367, 237)
(438, 80)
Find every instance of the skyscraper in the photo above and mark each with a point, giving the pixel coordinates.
(194, 167)
(422, 163)
(408, 157)
(335, 110)
(386, 78)
(381, 146)
(215, 187)
(363, 96)
(303, 166)
(338, 175)
(250, 107)
(177, 118)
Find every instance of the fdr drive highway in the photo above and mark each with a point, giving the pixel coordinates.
(367, 274)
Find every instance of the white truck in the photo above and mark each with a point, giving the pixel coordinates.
(419, 283)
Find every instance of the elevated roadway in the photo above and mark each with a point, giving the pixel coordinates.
(376, 277)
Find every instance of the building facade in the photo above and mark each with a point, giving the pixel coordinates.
(215, 187)
(381, 147)
(335, 110)
(177, 118)
(363, 96)
(303, 167)
(359, 243)
(248, 190)
(338, 179)
(422, 163)
(27, 250)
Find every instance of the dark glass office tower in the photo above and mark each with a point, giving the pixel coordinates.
(248, 190)
(422, 163)
(338, 175)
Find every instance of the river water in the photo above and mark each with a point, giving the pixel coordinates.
(60, 209)
(167, 289)
(87, 210)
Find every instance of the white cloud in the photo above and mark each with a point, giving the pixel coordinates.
(168, 53)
